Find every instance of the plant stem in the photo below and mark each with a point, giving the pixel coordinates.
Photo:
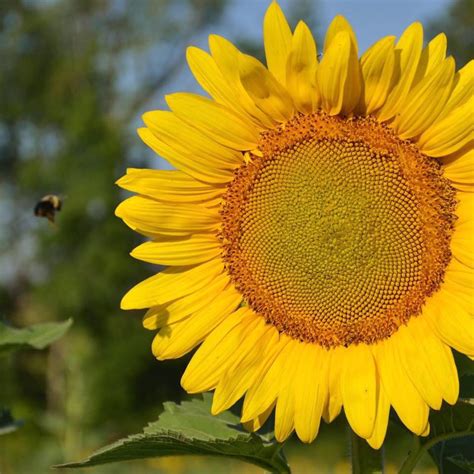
(415, 454)
(365, 460)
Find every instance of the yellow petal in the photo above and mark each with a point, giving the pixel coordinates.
(416, 365)
(178, 339)
(436, 52)
(431, 57)
(358, 388)
(339, 76)
(207, 73)
(226, 56)
(185, 162)
(427, 430)
(333, 72)
(310, 390)
(334, 404)
(338, 24)
(263, 393)
(460, 275)
(465, 188)
(214, 120)
(170, 284)
(381, 419)
(210, 360)
(462, 90)
(189, 141)
(301, 70)
(450, 133)
(193, 249)
(462, 240)
(285, 406)
(168, 185)
(438, 359)
(425, 101)
(256, 423)
(465, 207)
(277, 41)
(452, 320)
(170, 313)
(267, 93)
(378, 67)
(243, 364)
(459, 167)
(462, 245)
(408, 53)
(149, 216)
(405, 399)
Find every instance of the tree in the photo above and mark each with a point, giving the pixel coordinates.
(457, 23)
(74, 76)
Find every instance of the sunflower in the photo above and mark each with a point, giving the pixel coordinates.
(317, 228)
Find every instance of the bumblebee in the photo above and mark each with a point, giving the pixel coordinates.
(47, 207)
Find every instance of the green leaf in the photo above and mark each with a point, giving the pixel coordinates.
(190, 428)
(7, 422)
(466, 465)
(37, 336)
(465, 368)
(451, 433)
(464, 364)
(454, 455)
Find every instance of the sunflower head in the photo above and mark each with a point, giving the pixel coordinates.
(317, 229)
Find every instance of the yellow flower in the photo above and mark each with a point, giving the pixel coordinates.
(318, 228)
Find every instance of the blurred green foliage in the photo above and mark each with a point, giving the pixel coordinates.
(65, 128)
(457, 22)
(75, 76)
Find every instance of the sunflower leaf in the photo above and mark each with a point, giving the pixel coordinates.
(37, 336)
(454, 455)
(189, 428)
(451, 436)
(461, 462)
(465, 368)
(464, 365)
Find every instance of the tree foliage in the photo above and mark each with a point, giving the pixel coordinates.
(457, 23)
(75, 78)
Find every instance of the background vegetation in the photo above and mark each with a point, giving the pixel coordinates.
(75, 75)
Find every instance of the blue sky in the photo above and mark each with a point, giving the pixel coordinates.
(371, 19)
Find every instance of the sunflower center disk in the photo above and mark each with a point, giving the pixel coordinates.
(334, 235)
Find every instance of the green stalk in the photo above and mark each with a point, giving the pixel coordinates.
(365, 460)
(416, 453)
